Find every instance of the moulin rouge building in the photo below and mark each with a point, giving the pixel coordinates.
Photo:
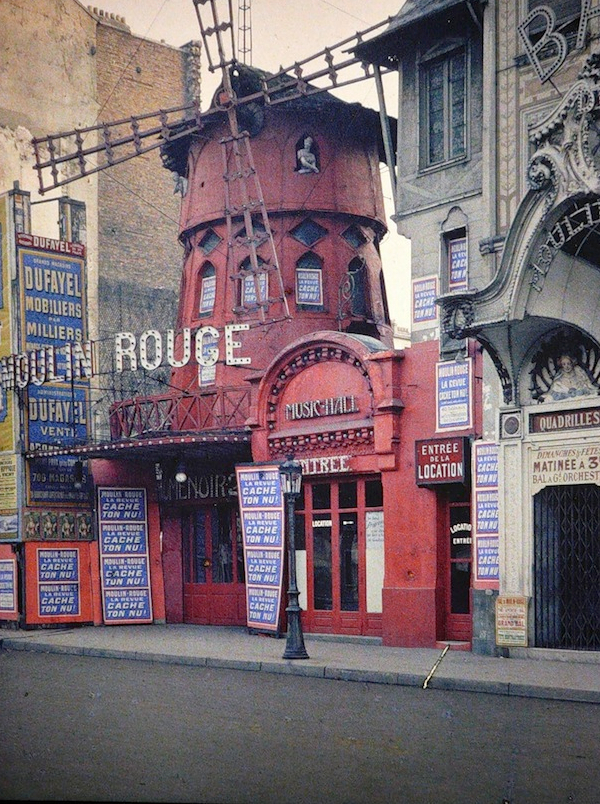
(282, 347)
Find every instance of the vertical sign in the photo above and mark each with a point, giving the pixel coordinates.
(457, 264)
(262, 515)
(454, 394)
(485, 501)
(8, 586)
(424, 294)
(58, 582)
(53, 316)
(124, 557)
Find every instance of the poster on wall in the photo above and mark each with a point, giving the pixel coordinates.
(424, 309)
(9, 516)
(124, 556)
(485, 502)
(7, 426)
(511, 621)
(53, 327)
(453, 391)
(262, 517)
(457, 264)
(58, 582)
(8, 587)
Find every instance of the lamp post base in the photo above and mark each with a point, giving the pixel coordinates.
(294, 644)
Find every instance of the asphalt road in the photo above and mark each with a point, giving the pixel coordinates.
(94, 729)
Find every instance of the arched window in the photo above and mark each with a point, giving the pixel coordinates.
(309, 282)
(208, 287)
(359, 303)
(253, 293)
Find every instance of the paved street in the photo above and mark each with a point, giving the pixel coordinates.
(98, 729)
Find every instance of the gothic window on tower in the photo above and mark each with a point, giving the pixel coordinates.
(359, 302)
(443, 109)
(309, 282)
(254, 287)
(208, 287)
(308, 232)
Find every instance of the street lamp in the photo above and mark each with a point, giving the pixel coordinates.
(290, 474)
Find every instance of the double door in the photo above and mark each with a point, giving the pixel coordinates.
(335, 520)
(213, 566)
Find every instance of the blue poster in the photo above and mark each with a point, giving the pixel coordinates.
(8, 585)
(58, 565)
(486, 511)
(262, 518)
(457, 258)
(58, 599)
(486, 465)
(453, 391)
(309, 286)
(124, 556)
(485, 501)
(425, 292)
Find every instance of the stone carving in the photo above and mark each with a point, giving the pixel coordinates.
(566, 367)
(458, 316)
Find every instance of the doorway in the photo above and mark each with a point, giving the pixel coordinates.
(457, 552)
(213, 566)
(333, 519)
(566, 567)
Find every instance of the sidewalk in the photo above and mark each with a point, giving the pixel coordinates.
(568, 676)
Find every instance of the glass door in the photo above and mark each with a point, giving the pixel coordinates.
(213, 567)
(459, 551)
(331, 515)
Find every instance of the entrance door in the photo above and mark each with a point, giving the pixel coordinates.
(213, 589)
(458, 537)
(333, 517)
(566, 567)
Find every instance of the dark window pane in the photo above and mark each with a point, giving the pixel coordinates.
(199, 573)
(300, 536)
(347, 494)
(321, 496)
(210, 241)
(222, 552)
(322, 577)
(348, 562)
(308, 232)
(373, 493)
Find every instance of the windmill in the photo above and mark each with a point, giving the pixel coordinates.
(70, 155)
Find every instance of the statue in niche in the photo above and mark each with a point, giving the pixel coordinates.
(571, 380)
(306, 158)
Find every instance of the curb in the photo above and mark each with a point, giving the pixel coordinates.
(438, 682)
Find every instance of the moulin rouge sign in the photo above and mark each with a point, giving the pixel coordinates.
(551, 39)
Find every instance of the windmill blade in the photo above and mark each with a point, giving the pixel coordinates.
(67, 156)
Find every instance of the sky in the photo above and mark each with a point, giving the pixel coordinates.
(283, 32)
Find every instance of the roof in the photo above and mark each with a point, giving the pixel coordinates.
(414, 14)
(418, 10)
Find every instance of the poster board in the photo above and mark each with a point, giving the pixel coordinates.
(124, 556)
(262, 516)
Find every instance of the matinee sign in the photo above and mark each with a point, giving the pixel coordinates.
(262, 516)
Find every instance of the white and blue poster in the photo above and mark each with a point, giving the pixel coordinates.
(454, 395)
(8, 586)
(309, 286)
(457, 259)
(485, 501)
(262, 518)
(58, 582)
(424, 294)
(124, 556)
